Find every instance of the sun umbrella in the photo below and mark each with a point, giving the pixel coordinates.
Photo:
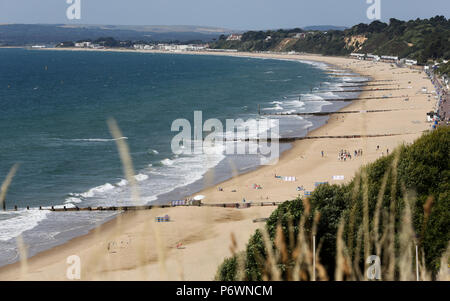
(199, 197)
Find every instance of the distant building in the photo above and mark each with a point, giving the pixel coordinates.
(268, 38)
(300, 35)
(410, 62)
(234, 37)
(360, 56)
(143, 47)
(373, 57)
(388, 58)
(83, 44)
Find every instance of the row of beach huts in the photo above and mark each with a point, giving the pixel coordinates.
(383, 58)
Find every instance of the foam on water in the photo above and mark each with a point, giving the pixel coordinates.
(167, 162)
(319, 65)
(122, 182)
(12, 224)
(99, 139)
(141, 177)
(97, 190)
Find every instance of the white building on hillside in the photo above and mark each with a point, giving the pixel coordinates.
(234, 37)
(410, 62)
(83, 44)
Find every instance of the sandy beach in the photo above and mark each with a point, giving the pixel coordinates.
(134, 247)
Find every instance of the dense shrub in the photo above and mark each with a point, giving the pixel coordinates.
(421, 168)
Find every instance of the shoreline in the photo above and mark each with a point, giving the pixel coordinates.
(162, 198)
(236, 221)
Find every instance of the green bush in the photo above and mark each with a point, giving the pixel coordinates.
(227, 270)
(422, 167)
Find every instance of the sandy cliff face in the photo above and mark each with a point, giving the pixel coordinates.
(355, 41)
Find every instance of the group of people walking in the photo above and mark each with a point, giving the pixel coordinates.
(344, 154)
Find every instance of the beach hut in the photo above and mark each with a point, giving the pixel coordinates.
(178, 203)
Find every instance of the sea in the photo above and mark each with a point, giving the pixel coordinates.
(54, 107)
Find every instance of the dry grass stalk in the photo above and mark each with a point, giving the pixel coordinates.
(6, 183)
(376, 219)
(354, 207)
(340, 261)
(444, 273)
(390, 239)
(129, 172)
(301, 253)
(271, 261)
(23, 253)
(366, 230)
(240, 260)
(406, 240)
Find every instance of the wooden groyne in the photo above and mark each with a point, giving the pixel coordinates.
(353, 98)
(344, 75)
(368, 80)
(359, 90)
(292, 139)
(328, 113)
(363, 85)
(150, 207)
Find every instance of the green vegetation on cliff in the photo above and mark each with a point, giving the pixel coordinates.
(444, 68)
(391, 205)
(416, 39)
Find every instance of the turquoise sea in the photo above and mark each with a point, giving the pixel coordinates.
(53, 111)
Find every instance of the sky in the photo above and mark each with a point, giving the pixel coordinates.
(230, 14)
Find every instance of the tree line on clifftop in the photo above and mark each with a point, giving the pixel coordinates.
(420, 39)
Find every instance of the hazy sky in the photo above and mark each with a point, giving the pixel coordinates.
(233, 14)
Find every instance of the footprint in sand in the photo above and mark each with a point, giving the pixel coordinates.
(118, 244)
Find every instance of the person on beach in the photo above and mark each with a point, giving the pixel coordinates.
(322, 154)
